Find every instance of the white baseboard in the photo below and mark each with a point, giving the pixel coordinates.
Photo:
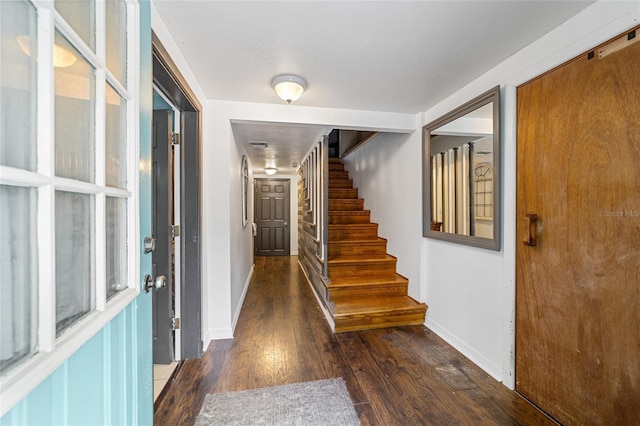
(241, 302)
(217, 334)
(490, 368)
(325, 311)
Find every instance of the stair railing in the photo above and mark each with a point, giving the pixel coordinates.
(315, 174)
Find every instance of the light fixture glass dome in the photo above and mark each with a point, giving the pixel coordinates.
(289, 87)
(270, 170)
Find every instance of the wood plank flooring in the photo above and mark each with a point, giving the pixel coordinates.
(396, 376)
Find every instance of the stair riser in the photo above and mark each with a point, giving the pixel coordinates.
(381, 269)
(338, 174)
(366, 290)
(353, 232)
(343, 193)
(336, 166)
(357, 249)
(346, 205)
(345, 219)
(366, 322)
(340, 183)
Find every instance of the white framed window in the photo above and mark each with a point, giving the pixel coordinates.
(68, 180)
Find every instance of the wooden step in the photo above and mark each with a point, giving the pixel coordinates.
(338, 174)
(345, 289)
(343, 193)
(336, 166)
(335, 160)
(353, 231)
(346, 204)
(355, 216)
(370, 313)
(362, 266)
(340, 183)
(371, 247)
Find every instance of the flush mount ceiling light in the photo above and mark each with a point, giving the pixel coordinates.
(289, 87)
(270, 170)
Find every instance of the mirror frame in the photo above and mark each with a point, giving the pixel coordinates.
(493, 243)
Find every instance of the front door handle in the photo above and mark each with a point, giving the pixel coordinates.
(286, 223)
(531, 221)
(158, 283)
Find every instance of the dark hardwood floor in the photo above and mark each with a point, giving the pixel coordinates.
(396, 376)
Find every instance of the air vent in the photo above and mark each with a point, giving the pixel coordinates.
(259, 145)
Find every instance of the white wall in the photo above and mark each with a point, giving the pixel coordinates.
(387, 171)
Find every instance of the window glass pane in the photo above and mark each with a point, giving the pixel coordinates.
(18, 85)
(116, 245)
(19, 276)
(116, 139)
(75, 253)
(74, 115)
(81, 15)
(116, 11)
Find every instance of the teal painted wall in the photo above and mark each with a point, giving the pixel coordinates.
(109, 380)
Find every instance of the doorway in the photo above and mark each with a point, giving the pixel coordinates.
(272, 207)
(578, 222)
(179, 312)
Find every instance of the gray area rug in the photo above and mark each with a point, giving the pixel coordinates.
(318, 403)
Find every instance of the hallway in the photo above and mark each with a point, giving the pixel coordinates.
(396, 376)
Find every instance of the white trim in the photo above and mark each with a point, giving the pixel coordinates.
(509, 123)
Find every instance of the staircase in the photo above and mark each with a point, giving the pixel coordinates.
(365, 292)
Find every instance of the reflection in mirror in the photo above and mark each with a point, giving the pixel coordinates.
(460, 168)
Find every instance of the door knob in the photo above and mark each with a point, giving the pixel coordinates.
(149, 244)
(158, 283)
(286, 223)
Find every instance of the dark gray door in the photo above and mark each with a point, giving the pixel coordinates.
(272, 217)
(162, 208)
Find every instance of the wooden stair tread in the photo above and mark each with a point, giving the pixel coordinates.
(368, 241)
(363, 259)
(352, 225)
(349, 212)
(377, 305)
(357, 281)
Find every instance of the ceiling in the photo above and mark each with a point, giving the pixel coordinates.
(393, 56)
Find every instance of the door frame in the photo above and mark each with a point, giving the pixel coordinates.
(287, 209)
(167, 78)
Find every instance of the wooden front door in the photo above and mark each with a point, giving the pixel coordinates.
(578, 201)
(272, 217)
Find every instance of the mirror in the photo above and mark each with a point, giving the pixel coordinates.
(461, 174)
